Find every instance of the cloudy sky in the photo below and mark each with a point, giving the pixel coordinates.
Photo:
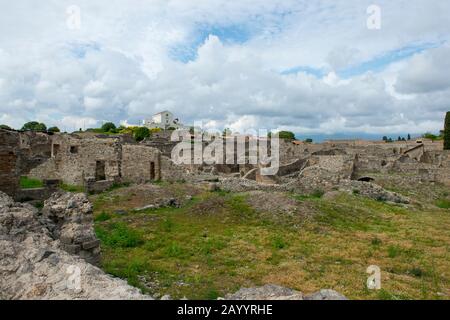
(313, 67)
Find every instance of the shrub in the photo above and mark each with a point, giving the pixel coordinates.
(108, 127)
(119, 235)
(430, 136)
(54, 129)
(103, 216)
(447, 132)
(141, 133)
(278, 242)
(34, 126)
(4, 126)
(288, 135)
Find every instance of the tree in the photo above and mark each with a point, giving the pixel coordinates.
(409, 137)
(4, 126)
(34, 126)
(227, 132)
(141, 133)
(385, 139)
(430, 136)
(108, 127)
(288, 135)
(309, 140)
(54, 129)
(447, 132)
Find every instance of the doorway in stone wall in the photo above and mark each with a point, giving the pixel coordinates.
(152, 171)
(100, 171)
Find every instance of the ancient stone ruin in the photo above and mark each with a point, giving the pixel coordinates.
(39, 249)
(36, 261)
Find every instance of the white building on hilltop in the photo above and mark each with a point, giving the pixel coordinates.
(163, 120)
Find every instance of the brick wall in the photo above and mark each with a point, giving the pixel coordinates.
(9, 175)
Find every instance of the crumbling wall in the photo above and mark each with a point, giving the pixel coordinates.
(34, 149)
(342, 165)
(69, 217)
(290, 151)
(75, 159)
(140, 163)
(9, 173)
(172, 172)
(33, 263)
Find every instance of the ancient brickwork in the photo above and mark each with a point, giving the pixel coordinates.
(172, 172)
(88, 160)
(9, 173)
(341, 164)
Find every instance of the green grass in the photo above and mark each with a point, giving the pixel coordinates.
(72, 188)
(119, 235)
(30, 183)
(316, 194)
(217, 243)
(443, 204)
(103, 216)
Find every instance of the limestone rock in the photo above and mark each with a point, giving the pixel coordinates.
(275, 292)
(71, 219)
(325, 294)
(266, 292)
(33, 264)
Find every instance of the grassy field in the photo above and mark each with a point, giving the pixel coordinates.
(29, 183)
(216, 243)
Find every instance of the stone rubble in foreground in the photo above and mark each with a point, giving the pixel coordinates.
(33, 264)
(41, 256)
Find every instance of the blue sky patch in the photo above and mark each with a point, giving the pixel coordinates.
(231, 34)
(381, 62)
(79, 50)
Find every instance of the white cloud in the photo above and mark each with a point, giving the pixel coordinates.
(119, 66)
(427, 72)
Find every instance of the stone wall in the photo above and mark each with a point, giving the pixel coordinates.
(78, 160)
(140, 163)
(9, 173)
(172, 172)
(34, 149)
(35, 258)
(343, 165)
(75, 159)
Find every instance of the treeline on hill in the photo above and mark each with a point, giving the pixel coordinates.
(139, 133)
(388, 139)
(288, 135)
